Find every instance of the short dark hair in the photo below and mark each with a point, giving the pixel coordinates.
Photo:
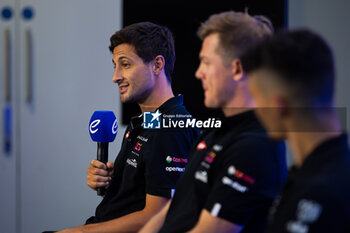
(149, 41)
(237, 31)
(303, 60)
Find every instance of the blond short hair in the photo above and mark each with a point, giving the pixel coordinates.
(237, 32)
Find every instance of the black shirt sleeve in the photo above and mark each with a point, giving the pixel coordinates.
(165, 161)
(242, 186)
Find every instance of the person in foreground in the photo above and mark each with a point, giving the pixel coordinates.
(235, 172)
(292, 79)
(141, 180)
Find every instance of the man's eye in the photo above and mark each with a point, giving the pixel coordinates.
(126, 65)
(205, 63)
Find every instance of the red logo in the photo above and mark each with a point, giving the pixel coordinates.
(127, 134)
(179, 160)
(240, 175)
(201, 146)
(138, 146)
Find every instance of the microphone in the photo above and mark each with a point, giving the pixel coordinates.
(103, 128)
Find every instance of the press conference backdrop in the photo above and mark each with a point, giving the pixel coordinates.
(330, 19)
(183, 19)
(60, 72)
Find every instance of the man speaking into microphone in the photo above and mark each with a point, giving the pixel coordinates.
(143, 177)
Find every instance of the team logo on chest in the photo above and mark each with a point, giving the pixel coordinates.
(201, 146)
(308, 212)
(138, 146)
(202, 176)
(132, 162)
(210, 157)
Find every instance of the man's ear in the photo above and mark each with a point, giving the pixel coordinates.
(158, 64)
(237, 70)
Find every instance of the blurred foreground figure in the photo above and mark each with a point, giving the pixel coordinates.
(291, 77)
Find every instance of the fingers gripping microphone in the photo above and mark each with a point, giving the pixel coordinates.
(103, 129)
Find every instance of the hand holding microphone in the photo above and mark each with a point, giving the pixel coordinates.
(103, 129)
(99, 174)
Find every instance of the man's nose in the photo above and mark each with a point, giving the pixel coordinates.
(198, 74)
(117, 77)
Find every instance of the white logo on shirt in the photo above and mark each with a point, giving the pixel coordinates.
(216, 209)
(217, 147)
(202, 176)
(142, 138)
(308, 212)
(204, 164)
(175, 169)
(233, 184)
(297, 227)
(132, 162)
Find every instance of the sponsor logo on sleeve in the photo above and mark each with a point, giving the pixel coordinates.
(233, 184)
(240, 175)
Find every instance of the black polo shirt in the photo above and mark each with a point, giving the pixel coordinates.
(234, 172)
(316, 197)
(150, 162)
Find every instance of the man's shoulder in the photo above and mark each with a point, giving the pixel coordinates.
(326, 180)
(332, 197)
(251, 141)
